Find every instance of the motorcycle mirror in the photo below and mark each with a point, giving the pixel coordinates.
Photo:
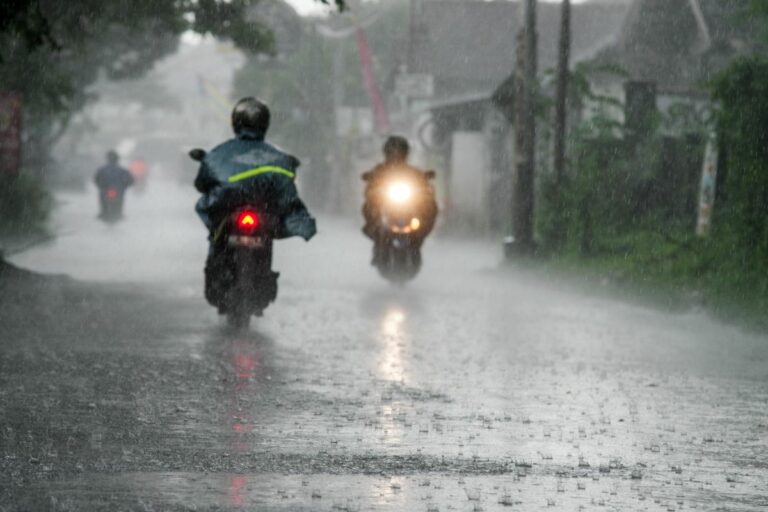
(197, 154)
(430, 175)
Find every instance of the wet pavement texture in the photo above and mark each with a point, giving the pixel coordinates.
(472, 388)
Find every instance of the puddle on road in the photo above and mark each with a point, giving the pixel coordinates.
(393, 339)
(425, 492)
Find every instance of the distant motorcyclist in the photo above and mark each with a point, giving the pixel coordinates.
(139, 170)
(247, 169)
(396, 150)
(112, 181)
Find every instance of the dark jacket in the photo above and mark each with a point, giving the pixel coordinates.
(113, 176)
(376, 179)
(247, 169)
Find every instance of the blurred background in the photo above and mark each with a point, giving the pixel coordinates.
(652, 82)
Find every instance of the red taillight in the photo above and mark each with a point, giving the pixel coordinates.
(111, 193)
(247, 222)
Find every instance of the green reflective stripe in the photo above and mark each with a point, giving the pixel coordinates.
(261, 170)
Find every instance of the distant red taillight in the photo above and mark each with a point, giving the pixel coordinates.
(112, 193)
(247, 222)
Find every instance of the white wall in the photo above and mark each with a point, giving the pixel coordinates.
(469, 180)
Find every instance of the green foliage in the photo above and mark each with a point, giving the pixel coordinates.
(116, 39)
(616, 225)
(52, 55)
(26, 20)
(758, 10)
(24, 205)
(742, 92)
(616, 183)
(594, 196)
(674, 265)
(53, 51)
(617, 187)
(341, 5)
(230, 20)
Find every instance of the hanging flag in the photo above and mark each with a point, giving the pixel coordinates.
(380, 116)
(707, 188)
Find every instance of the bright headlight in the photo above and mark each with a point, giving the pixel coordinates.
(399, 192)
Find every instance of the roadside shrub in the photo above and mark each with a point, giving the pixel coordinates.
(24, 205)
(629, 208)
(742, 120)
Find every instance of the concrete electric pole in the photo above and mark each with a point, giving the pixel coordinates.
(525, 132)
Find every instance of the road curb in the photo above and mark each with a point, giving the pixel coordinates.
(12, 247)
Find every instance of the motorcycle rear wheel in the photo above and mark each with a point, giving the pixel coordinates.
(239, 319)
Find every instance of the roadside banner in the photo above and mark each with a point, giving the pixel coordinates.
(10, 133)
(380, 116)
(707, 188)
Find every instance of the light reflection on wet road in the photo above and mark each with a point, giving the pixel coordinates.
(472, 388)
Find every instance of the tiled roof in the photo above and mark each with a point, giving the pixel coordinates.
(470, 45)
(664, 41)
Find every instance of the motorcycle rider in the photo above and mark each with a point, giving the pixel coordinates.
(112, 179)
(396, 150)
(247, 169)
(139, 170)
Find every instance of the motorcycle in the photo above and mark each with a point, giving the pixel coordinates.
(111, 204)
(239, 276)
(402, 223)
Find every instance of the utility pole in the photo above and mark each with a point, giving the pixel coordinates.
(525, 132)
(561, 94)
(411, 36)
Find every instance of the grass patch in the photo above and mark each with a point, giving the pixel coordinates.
(680, 269)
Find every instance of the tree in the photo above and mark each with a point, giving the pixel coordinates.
(561, 93)
(30, 20)
(525, 132)
(54, 50)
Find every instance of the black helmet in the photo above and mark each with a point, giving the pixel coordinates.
(396, 148)
(112, 156)
(250, 115)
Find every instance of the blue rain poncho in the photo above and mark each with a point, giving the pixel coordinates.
(247, 170)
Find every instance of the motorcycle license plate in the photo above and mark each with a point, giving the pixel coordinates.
(399, 242)
(252, 242)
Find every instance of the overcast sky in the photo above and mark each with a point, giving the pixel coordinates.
(307, 6)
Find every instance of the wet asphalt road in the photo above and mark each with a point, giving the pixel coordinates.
(473, 388)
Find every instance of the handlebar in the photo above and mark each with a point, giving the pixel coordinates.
(197, 154)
